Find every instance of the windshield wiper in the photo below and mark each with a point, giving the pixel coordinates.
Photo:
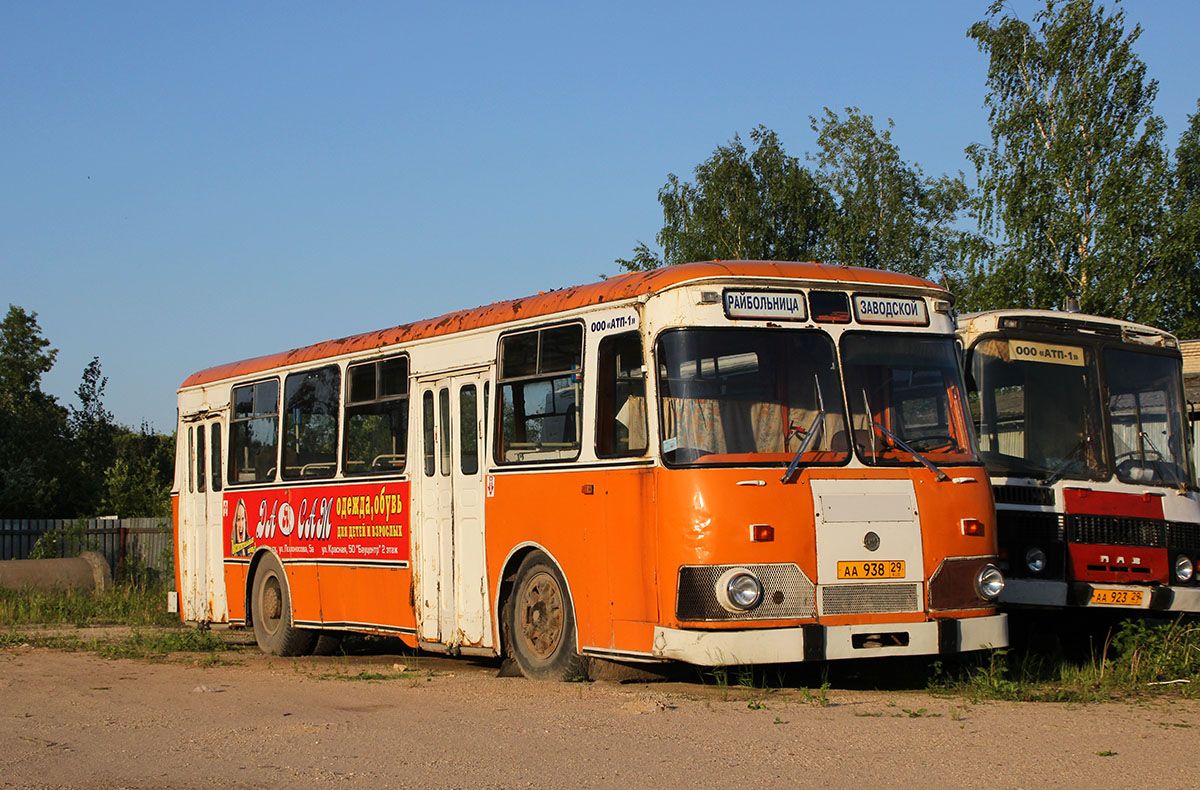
(1163, 463)
(900, 443)
(1061, 469)
(809, 435)
(903, 445)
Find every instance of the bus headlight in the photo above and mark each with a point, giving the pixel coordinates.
(1035, 560)
(989, 582)
(1184, 569)
(739, 590)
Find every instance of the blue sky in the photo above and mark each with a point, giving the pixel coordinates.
(186, 184)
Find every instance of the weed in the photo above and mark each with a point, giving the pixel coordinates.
(819, 697)
(159, 644)
(1106, 753)
(1140, 658)
(366, 674)
(125, 604)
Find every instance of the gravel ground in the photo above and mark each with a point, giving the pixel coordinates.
(77, 720)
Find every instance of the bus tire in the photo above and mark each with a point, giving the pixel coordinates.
(540, 623)
(271, 604)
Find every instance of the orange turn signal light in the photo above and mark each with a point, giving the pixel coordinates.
(973, 526)
(762, 533)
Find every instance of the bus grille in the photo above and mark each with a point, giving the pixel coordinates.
(1116, 531)
(1028, 527)
(1023, 495)
(1181, 535)
(870, 598)
(787, 593)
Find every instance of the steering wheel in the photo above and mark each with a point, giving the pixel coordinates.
(1151, 455)
(926, 443)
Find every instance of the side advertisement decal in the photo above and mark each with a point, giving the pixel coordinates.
(348, 523)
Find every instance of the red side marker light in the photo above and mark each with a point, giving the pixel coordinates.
(762, 533)
(972, 526)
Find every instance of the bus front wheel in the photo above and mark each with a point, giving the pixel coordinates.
(541, 623)
(271, 604)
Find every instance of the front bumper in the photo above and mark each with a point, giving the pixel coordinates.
(821, 643)
(1034, 592)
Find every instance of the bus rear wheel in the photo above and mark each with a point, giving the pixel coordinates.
(271, 611)
(541, 623)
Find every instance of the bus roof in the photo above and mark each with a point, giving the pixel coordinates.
(990, 321)
(624, 286)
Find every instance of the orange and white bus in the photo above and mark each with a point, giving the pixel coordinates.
(716, 463)
(1082, 425)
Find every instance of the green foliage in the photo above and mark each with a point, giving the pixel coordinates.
(57, 463)
(863, 207)
(1178, 274)
(93, 436)
(158, 644)
(132, 489)
(1140, 659)
(64, 542)
(1074, 179)
(744, 204)
(123, 604)
(889, 214)
(33, 427)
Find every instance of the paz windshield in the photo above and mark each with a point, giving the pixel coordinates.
(1146, 417)
(739, 396)
(906, 390)
(1036, 409)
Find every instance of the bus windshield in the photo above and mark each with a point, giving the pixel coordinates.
(906, 397)
(1036, 409)
(1146, 417)
(750, 396)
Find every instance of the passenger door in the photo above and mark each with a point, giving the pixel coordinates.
(451, 583)
(201, 557)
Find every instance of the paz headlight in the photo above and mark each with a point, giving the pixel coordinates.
(1184, 569)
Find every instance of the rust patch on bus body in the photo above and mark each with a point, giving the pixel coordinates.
(625, 286)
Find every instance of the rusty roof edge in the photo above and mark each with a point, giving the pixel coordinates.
(613, 289)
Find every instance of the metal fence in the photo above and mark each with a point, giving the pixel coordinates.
(131, 545)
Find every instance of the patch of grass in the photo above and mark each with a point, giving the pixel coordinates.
(125, 604)
(366, 674)
(159, 644)
(1138, 658)
(153, 644)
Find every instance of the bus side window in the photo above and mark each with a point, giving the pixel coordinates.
(310, 423)
(216, 456)
(427, 432)
(191, 453)
(540, 380)
(468, 430)
(254, 432)
(444, 424)
(621, 398)
(200, 474)
(376, 422)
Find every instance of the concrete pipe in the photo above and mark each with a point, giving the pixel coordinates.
(87, 572)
